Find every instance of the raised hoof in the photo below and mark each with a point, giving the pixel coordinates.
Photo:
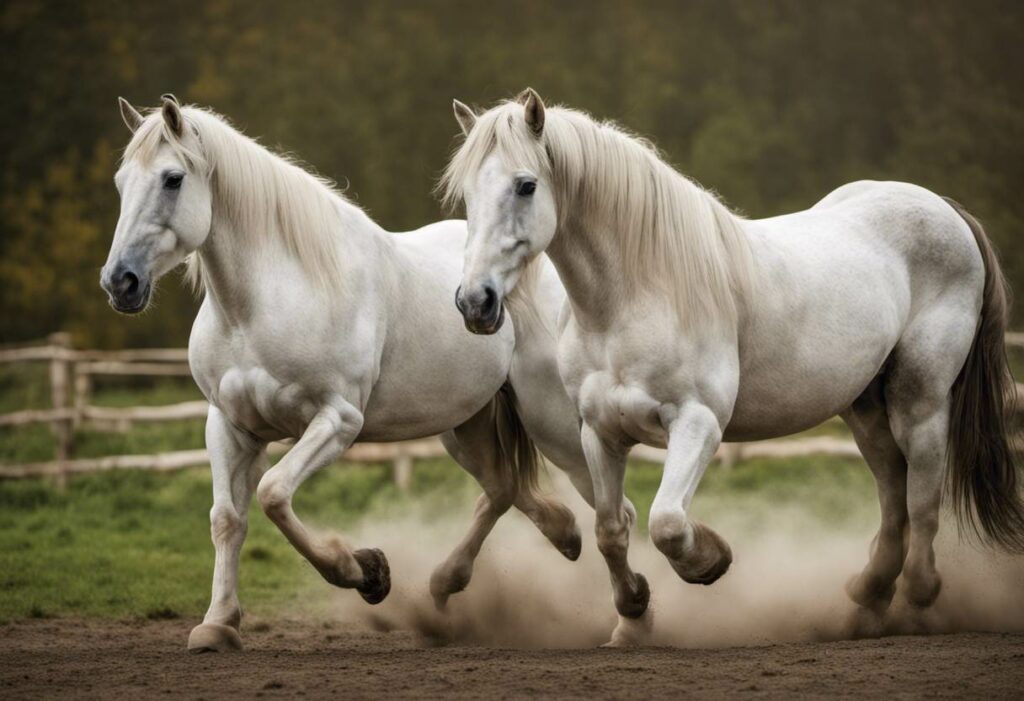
(445, 582)
(214, 637)
(708, 560)
(376, 575)
(871, 595)
(635, 605)
(572, 549)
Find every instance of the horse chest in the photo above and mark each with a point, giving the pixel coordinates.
(254, 400)
(623, 412)
(614, 391)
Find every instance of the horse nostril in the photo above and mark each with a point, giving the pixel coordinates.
(128, 284)
(490, 300)
(458, 300)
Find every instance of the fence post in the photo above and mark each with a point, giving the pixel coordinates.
(60, 380)
(402, 471)
(83, 394)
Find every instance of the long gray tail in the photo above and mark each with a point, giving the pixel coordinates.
(982, 477)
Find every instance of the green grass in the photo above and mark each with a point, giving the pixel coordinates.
(136, 545)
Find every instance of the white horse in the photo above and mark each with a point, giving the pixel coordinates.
(686, 325)
(320, 326)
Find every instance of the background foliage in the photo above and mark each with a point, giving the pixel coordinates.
(770, 103)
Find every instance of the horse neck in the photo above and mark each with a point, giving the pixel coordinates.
(589, 264)
(239, 270)
(587, 253)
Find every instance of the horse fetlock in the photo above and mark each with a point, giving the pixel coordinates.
(612, 537)
(450, 578)
(871, 590)
(704, 559)
(670, 532)
(559, 526)
(632, 601)
(922, 587)
(214, 637)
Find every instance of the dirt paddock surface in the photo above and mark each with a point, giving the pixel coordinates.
(91, 659)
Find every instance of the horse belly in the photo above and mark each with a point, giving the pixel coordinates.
(815, 344)
(786, 403)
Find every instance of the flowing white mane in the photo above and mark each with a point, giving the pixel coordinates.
(673, 235)
(261, 193)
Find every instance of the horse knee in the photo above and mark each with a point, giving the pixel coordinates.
(670, 531)
(612, 536)
(274, 498)
(226, 523)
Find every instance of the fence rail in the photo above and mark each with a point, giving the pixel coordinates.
(71, 373)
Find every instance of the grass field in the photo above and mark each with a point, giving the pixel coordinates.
(132, 544)
(136, 545)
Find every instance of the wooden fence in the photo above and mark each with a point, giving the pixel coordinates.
(71, 375)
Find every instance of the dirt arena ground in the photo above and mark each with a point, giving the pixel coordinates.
(89, 659)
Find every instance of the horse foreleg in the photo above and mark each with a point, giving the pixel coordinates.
(607, 471)
(327, 437)
(236, 461)
(696, 553)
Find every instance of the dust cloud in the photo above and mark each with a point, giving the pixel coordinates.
(786, 584)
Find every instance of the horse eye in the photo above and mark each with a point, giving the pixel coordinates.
(173, 181)
(526, 188)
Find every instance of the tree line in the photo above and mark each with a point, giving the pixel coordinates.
(771, 104)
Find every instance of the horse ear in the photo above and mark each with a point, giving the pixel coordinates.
(534, 109)
(130, 115)
(172, 114)
(464, 116)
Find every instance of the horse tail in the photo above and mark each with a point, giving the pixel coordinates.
(982, 477)
(516, 450)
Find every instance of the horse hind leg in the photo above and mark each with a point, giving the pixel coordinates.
(874, 587)
(474, 446)
(925, 366)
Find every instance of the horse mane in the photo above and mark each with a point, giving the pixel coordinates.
(262, 193)
(673, 235)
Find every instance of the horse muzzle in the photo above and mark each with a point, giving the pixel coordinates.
(128, 289)
(482, 309)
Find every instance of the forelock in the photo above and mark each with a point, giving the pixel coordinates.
(501, 130)
(154, 132)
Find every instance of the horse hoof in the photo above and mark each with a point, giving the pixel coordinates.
(636, 604)
(447, 581)
(376, 575)
(865, 623)
(214, 637)
(632, 632)
(710, 559)
(573, 547)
